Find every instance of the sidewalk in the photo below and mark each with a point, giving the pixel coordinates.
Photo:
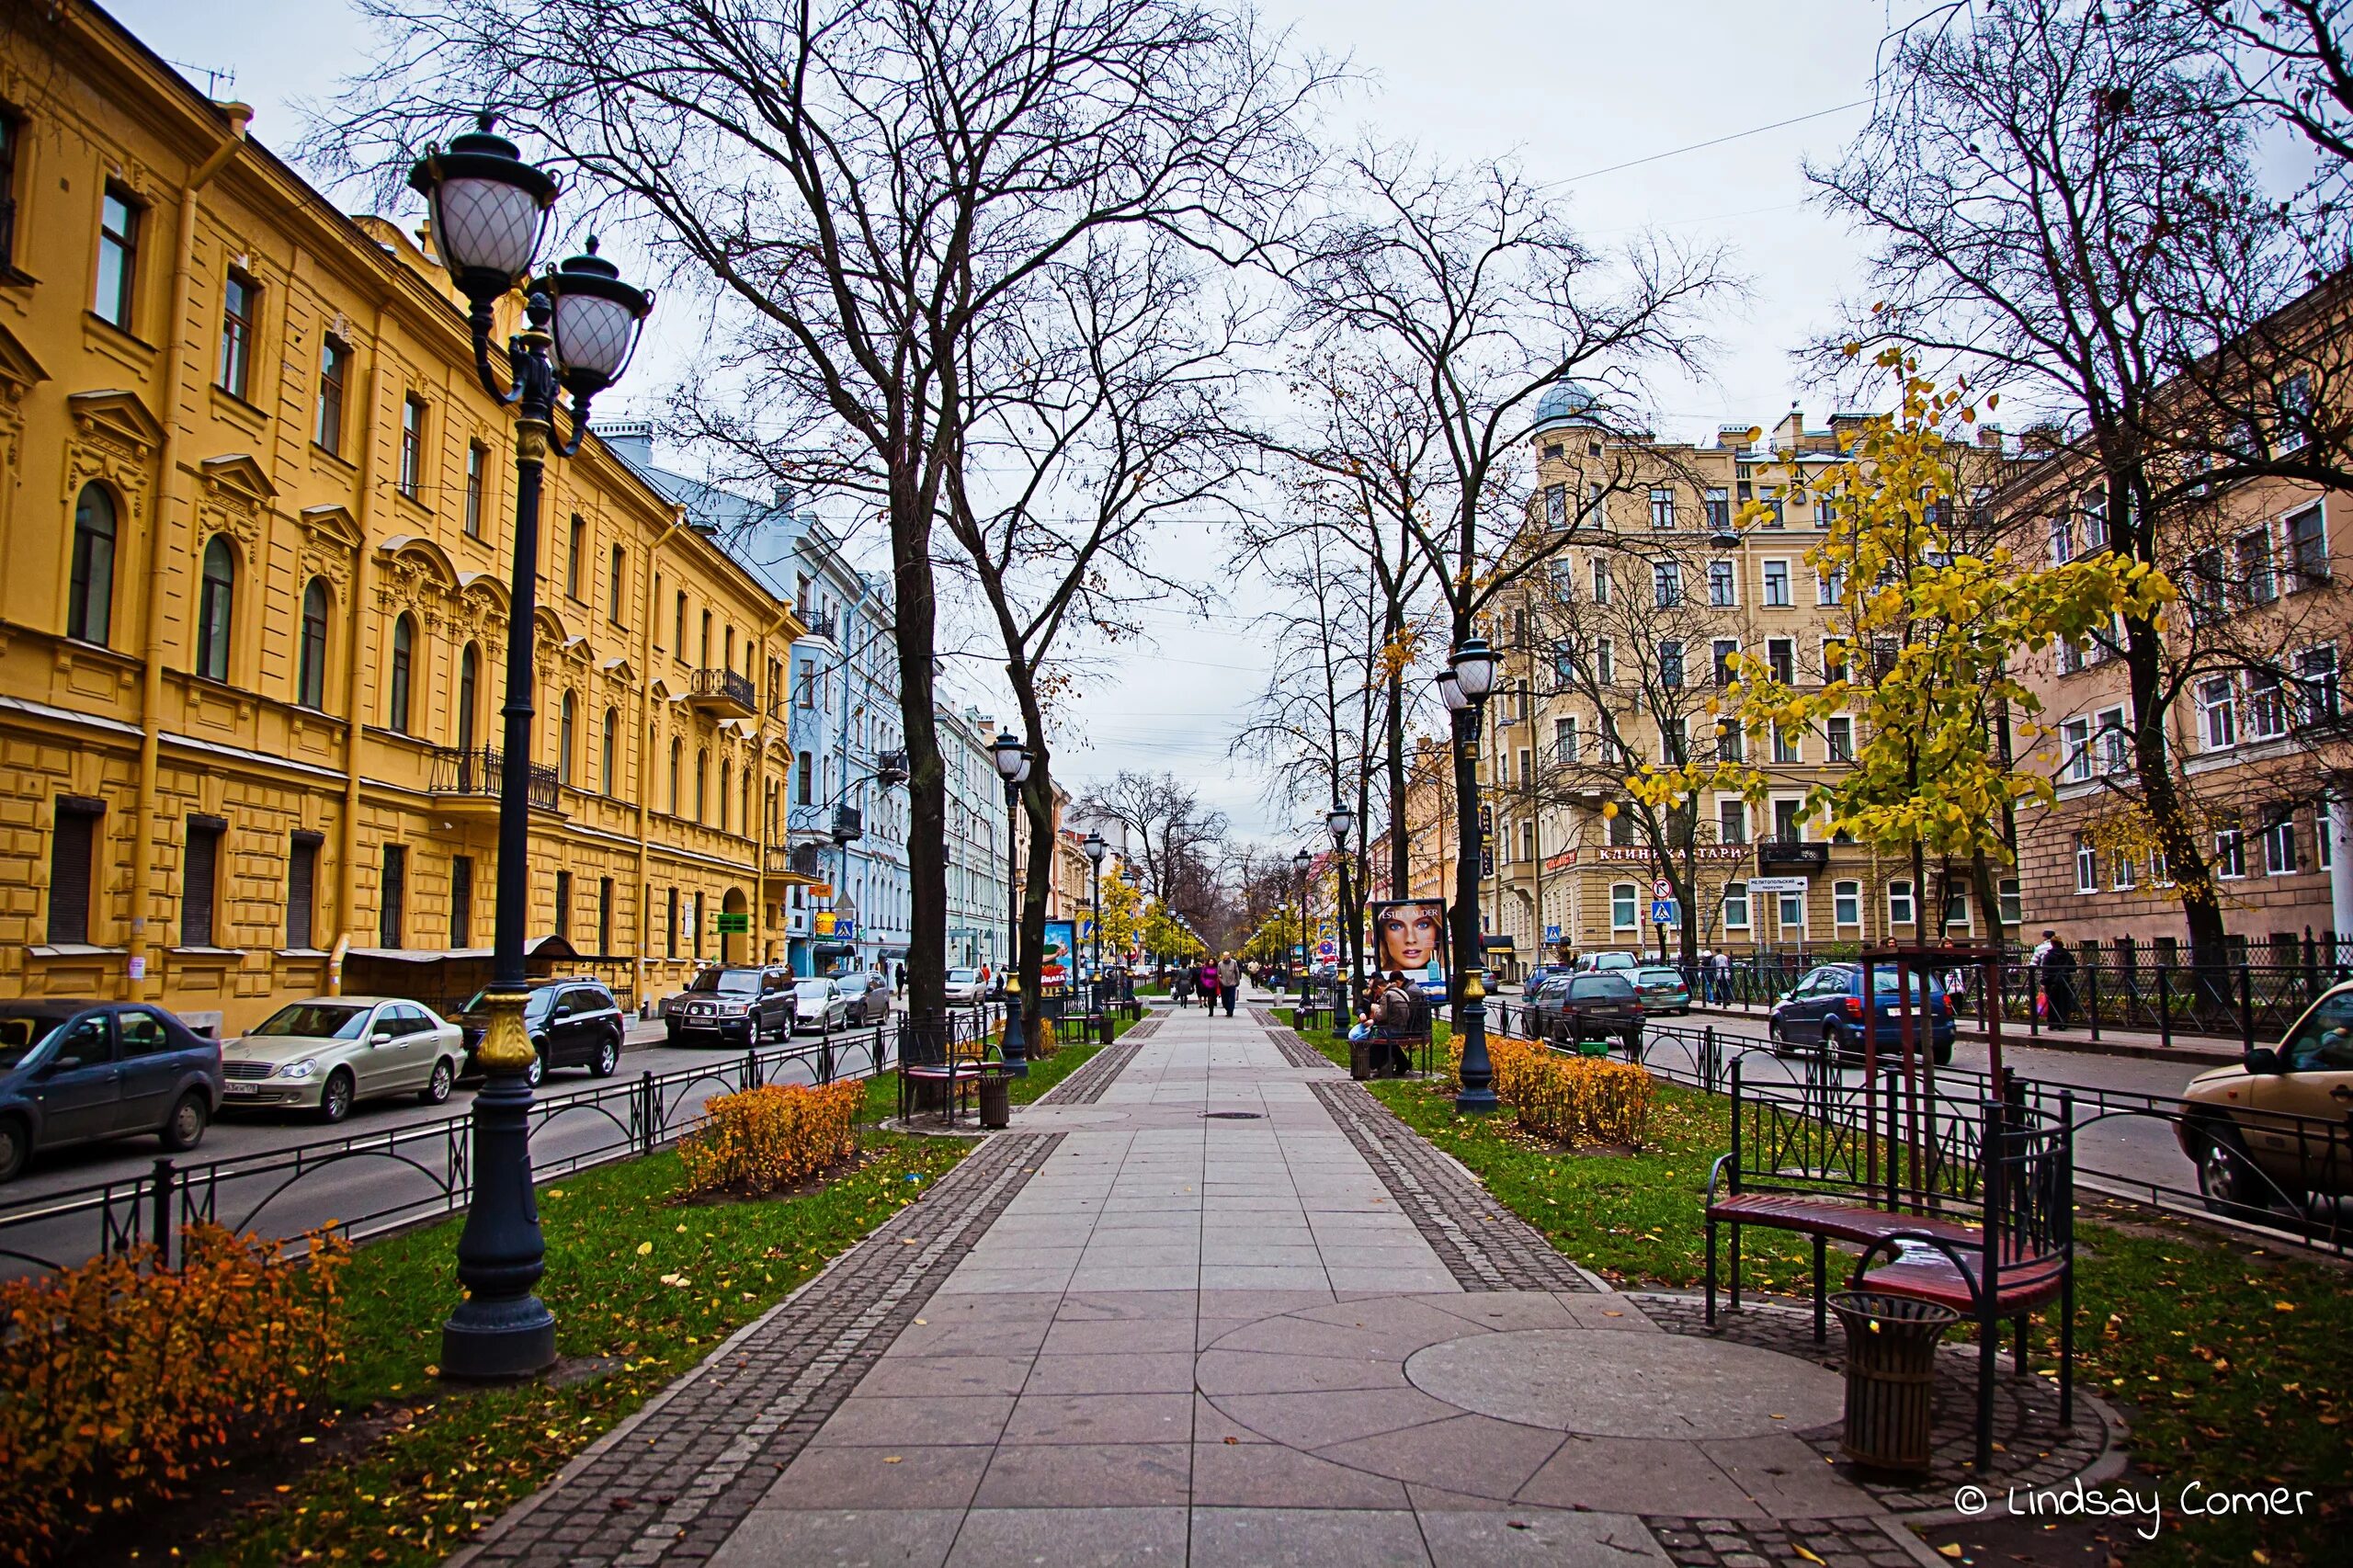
(1215, 1306)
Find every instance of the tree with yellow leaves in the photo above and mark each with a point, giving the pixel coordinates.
(1930, 619)
(1122, 909)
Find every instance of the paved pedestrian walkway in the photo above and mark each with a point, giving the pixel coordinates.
(1221, 1309)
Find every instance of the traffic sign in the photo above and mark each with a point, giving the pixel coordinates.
(1777, 884)
(1662, 888)
(1551, 933)
(1664, 912)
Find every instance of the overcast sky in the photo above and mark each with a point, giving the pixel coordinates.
(1570, 89)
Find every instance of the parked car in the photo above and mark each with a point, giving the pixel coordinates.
(76, 1071)
(870, 998)
(1539, 975)
(1589, 963)
(1662, 989)
(964, 987)
(2274, 1129)
(819, 1002)
(1824, 1012)
(328, 1054)
(745, 1005)
(1595, 1006)
(572, 1023)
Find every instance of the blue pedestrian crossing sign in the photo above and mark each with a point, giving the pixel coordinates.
(1664, 912)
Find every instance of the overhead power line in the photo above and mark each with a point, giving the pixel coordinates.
(1714, 142)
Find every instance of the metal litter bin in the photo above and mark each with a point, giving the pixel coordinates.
(996, 1100)
(1891, 1379)
(1360, 1058)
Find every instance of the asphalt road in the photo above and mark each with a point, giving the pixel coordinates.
(583, 1117)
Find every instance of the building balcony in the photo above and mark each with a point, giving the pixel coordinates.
(726, 693)
(1777, 854)
(787, 866)
(468, 782)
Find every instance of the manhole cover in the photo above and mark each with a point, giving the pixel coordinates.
(1233, 1115)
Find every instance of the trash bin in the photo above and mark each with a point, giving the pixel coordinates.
(1359, 1057)
(1891, 1379)
(997, 1101)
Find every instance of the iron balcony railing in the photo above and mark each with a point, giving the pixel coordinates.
(479, 772)
(729, 686)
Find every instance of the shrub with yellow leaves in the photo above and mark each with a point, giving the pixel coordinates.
(1570, 1100)
(121, 1380)
(773, 1137)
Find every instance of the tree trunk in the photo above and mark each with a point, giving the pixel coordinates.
(914, 621)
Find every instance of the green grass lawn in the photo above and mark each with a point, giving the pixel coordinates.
(2233, 1364)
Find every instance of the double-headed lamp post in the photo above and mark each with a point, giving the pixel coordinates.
(1013, 760)
(1301, 863)
(1465, 685)
(1096, 848)
(489, 212)
(1342, 822)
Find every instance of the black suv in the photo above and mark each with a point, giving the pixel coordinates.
(745, 1004)
(1595, 1005)
(572, 1023)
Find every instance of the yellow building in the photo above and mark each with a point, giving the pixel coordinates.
(258, 514)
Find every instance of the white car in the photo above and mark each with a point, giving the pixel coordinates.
(964, 987)
(1605, 962)
(819, 1002)
(328, 1054)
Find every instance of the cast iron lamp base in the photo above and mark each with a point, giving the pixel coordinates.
(501, 1332)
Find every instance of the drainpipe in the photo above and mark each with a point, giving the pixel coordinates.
(2340, 880)
(645, 760)
(173, 501)
(760, 754)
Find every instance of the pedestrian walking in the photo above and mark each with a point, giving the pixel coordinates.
(1723, 967)
(2054, 974)
(1229, 980)
(902, 983)
(1209, 978)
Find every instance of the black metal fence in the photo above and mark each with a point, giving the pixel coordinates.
(367, 1184)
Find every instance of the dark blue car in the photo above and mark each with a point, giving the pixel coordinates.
(1824, 1012)
(77, 1071)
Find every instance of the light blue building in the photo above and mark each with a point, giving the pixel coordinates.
(843, 822)
(977, 824)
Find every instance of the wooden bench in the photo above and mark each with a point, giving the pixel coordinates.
(1793, 1167)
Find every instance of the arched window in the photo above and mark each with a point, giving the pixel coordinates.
(727, 788)
(215, 607)
(89, 609)
(565, 731)
(612, 750)
(746, 818)
(403, 658)
(468, 693)
(676, 746)
(311, 668)
(702, 774)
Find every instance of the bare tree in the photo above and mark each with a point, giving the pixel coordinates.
(1470, 289)
(1177, 839)
(2040, 180)
(861, 185)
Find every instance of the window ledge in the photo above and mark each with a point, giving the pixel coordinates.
(73, 951)
(207, 953)
(238, 408)
(301, 952)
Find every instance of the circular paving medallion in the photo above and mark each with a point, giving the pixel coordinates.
(1610, 1383)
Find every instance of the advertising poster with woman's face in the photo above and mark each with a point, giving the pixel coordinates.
(1410, 935)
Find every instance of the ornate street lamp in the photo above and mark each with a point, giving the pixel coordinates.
(1095, 848)
(1342, 822)
(489, 211)
(1464, 684)
(1303, 862)
(1013, 760)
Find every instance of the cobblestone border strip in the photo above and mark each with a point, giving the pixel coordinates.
(2032, 1448)
(1484, 1245)
(1086, 1086)
(703, 1452)
(1295, 1050)
(1753, 1543)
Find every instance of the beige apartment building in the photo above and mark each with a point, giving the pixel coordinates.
(258, 517)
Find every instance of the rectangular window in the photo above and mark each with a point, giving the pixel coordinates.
(1777, 583)
(1526, 842)
(1594, 513)
(392, 897)
(1826, 512)
(2308, 547)
(1731, 745)
(605, 915)
(334, 373)
(2279, 841)
(2218, 714)
(1600, 581)
(1830, 589)
(2267, 708)
(1842, 739)
(1732, 821)
(578, 547)
(1674, 748)
(671, 930)
(2095, 527)
(802, 780)
(1667, 584)
(1605, 662)
(2123, 872)
(695, 916)
(2062, 540)
(2323, 835)
(563, 905)
(1720, 593)
(118, 282)
(238, 299)
(412, 479)
(2251, 555)
(1719, 508)
(617, 585)
(2086, 864)
(680, 646)
(477, 457)
(1956, 908)
(1556, 507)
(1846, 902)
(1788, 827)
(1834, 659)
(1622, 907)
(1670, 664)
(2316, 684)
(73, 854)
(200, 880)
(1774, 515)
(1792, 912)
(1786, 747)
(302, 889)
(1724, 651)
(1661, 507)
(2230, 853)
(2013, 904)
(462, 901)
(1564, 741)
(12, 130)
(1781, 658)
(1735, 906)
(2076, 750)
(2114, 743)
(1899, 901)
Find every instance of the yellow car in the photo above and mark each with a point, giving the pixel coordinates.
(2278, 1128)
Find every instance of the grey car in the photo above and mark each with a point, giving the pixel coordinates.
(870, 1005)
(77, 1071)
